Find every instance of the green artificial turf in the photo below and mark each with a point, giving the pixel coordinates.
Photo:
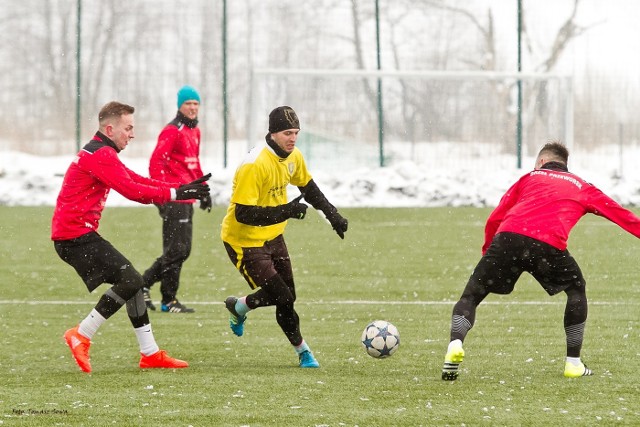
(407, 266)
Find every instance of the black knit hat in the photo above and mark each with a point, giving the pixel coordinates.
(283, 118)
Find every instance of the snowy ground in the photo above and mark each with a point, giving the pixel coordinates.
(31, 180)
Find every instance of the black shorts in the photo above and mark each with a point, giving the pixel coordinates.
(510, 254)
(94, 258)
(258, 265)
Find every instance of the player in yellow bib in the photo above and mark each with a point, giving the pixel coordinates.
(252, 230)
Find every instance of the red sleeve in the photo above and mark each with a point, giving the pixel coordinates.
(148, 181)
(198, 169)
(159, 162)
(497, 216)
(107, 167)
(602, 205)
(175, 158)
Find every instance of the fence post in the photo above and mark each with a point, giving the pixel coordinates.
(380, 111)
(78, 72)
(519, 121)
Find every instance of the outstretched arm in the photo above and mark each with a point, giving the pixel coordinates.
(270, 215)
(317, 199)
(602, 205)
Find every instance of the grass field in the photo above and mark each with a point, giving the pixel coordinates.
(407, 266)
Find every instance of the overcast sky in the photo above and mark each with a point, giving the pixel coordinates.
(611, 44)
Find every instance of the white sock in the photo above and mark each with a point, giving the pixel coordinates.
(302, 347)
(89, 326)
(146, 340)
(575, 361)
(241, 306)
(454, 344)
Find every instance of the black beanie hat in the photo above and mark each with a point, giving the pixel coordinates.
(283, 118)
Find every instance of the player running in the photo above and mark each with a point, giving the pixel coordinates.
(528, 231)
(74, 231)
(252, 230)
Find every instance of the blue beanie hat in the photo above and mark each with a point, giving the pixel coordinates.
(187, 93)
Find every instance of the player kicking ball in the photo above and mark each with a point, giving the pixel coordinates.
(252, 230)
(528, 231)
(86, 185)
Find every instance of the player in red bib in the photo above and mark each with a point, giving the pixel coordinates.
(74, 231)
(528, 231)
(176, 158)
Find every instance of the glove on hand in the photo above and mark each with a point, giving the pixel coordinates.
(206, 204)
(295, 209)
(194, 190)
(339, 224)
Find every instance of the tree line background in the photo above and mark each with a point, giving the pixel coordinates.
(140, 52)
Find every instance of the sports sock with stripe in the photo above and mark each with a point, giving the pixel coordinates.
(146, 340)
(89, 326)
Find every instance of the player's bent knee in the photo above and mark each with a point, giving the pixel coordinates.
(129, 284)
(136, 306)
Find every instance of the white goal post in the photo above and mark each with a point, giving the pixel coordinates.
(427, 106)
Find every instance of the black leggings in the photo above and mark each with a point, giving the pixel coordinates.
(268, 269)
(509, 255)
(177, 237)
(98, 262)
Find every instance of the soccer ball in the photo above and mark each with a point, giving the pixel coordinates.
(380, 339)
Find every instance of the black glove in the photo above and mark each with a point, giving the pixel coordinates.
(206, 204)
(194, 190)
(338, 223)
(295, 209)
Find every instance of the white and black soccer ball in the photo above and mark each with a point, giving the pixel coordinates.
(380, 339)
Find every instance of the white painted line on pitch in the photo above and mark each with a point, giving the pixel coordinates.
(341, 302)
(479, 224)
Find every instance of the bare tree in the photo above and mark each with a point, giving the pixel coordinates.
(141, 51)
(356, 18)
(568, 32)
(487, 59)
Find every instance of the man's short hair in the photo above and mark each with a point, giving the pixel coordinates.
(556, 150)
(113, 110)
